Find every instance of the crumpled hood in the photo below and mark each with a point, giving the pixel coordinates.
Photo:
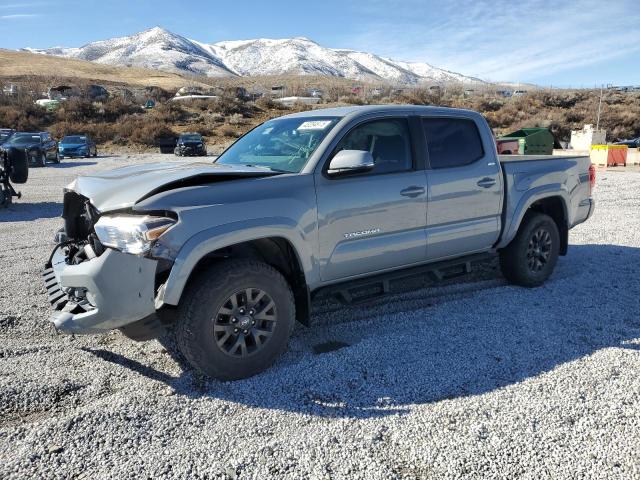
(124, 187)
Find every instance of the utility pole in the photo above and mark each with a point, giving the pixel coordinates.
(599, 108)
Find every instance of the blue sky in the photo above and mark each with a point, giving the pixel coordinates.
(577, 43)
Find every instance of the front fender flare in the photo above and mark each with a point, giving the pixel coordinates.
(221, 236)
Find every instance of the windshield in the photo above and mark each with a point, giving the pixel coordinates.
(23, 139)
(4, 135)
(283, 144)
(190, 138)
(74, 139)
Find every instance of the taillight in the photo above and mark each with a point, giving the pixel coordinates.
(592, 175)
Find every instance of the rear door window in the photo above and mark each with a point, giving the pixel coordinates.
(452, 142)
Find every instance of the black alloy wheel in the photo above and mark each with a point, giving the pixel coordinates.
(245, 322)
(539, 249)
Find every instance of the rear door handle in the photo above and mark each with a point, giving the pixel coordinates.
(413, 191)
(486, 182)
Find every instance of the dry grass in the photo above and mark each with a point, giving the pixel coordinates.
(21, 66)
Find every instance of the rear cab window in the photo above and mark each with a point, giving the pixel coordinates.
(452, 142)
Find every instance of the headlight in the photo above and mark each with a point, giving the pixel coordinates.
(130, 233)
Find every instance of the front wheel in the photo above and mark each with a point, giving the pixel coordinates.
(530, 258)
(235, 319)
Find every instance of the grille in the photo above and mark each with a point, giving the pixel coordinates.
(57, 297)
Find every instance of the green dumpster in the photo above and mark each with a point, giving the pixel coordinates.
(532, 141)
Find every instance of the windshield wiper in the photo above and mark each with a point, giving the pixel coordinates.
(277, 170)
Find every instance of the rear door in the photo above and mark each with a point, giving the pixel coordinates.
(464, 188)
(376, 220)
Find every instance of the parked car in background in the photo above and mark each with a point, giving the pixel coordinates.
(632, 143)
(77, 146)
(337, 200)
(40, 147)
(5, 134)
(190, 144)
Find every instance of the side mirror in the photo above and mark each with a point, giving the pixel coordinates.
(351, 161)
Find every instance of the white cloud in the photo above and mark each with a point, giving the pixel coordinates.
(16, 16)
(500, 40)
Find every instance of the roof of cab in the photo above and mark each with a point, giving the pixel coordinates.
(356, 110)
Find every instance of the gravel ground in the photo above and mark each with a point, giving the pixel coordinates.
(467, 379)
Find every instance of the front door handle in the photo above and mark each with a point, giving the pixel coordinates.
(486, 182)
(413, 191)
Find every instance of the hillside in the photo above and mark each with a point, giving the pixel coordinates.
(161, 49)
(21, 66)
(122, 123)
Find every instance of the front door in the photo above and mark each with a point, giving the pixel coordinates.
(376, 220)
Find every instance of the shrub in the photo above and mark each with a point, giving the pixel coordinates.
(490, 105)
(75, 110)
(267, 103)
(117, 107)
(229, 131)
(236, 119)
(22, 115)
(351, 99)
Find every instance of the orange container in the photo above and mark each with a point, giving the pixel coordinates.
(609, 155)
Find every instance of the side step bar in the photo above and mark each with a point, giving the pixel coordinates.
(438, 271)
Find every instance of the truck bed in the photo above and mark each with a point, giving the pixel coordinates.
(536, 176)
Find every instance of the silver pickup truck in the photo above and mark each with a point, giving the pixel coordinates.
(231, 252)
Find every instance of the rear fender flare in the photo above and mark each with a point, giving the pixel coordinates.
(514, 218)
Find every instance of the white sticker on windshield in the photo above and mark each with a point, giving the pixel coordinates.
(315, 125)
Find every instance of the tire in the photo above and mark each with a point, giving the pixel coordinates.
(95, 153)
(19, 161)
(209, 330)
(43, 160)
(530, 258)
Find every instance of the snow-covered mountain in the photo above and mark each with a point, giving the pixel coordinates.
(160, 49)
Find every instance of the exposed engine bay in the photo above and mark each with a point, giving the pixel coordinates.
(78, 240)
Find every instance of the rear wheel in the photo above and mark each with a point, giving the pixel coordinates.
(235, 319)
(530, 258)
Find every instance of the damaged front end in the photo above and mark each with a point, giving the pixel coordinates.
(94, 284)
